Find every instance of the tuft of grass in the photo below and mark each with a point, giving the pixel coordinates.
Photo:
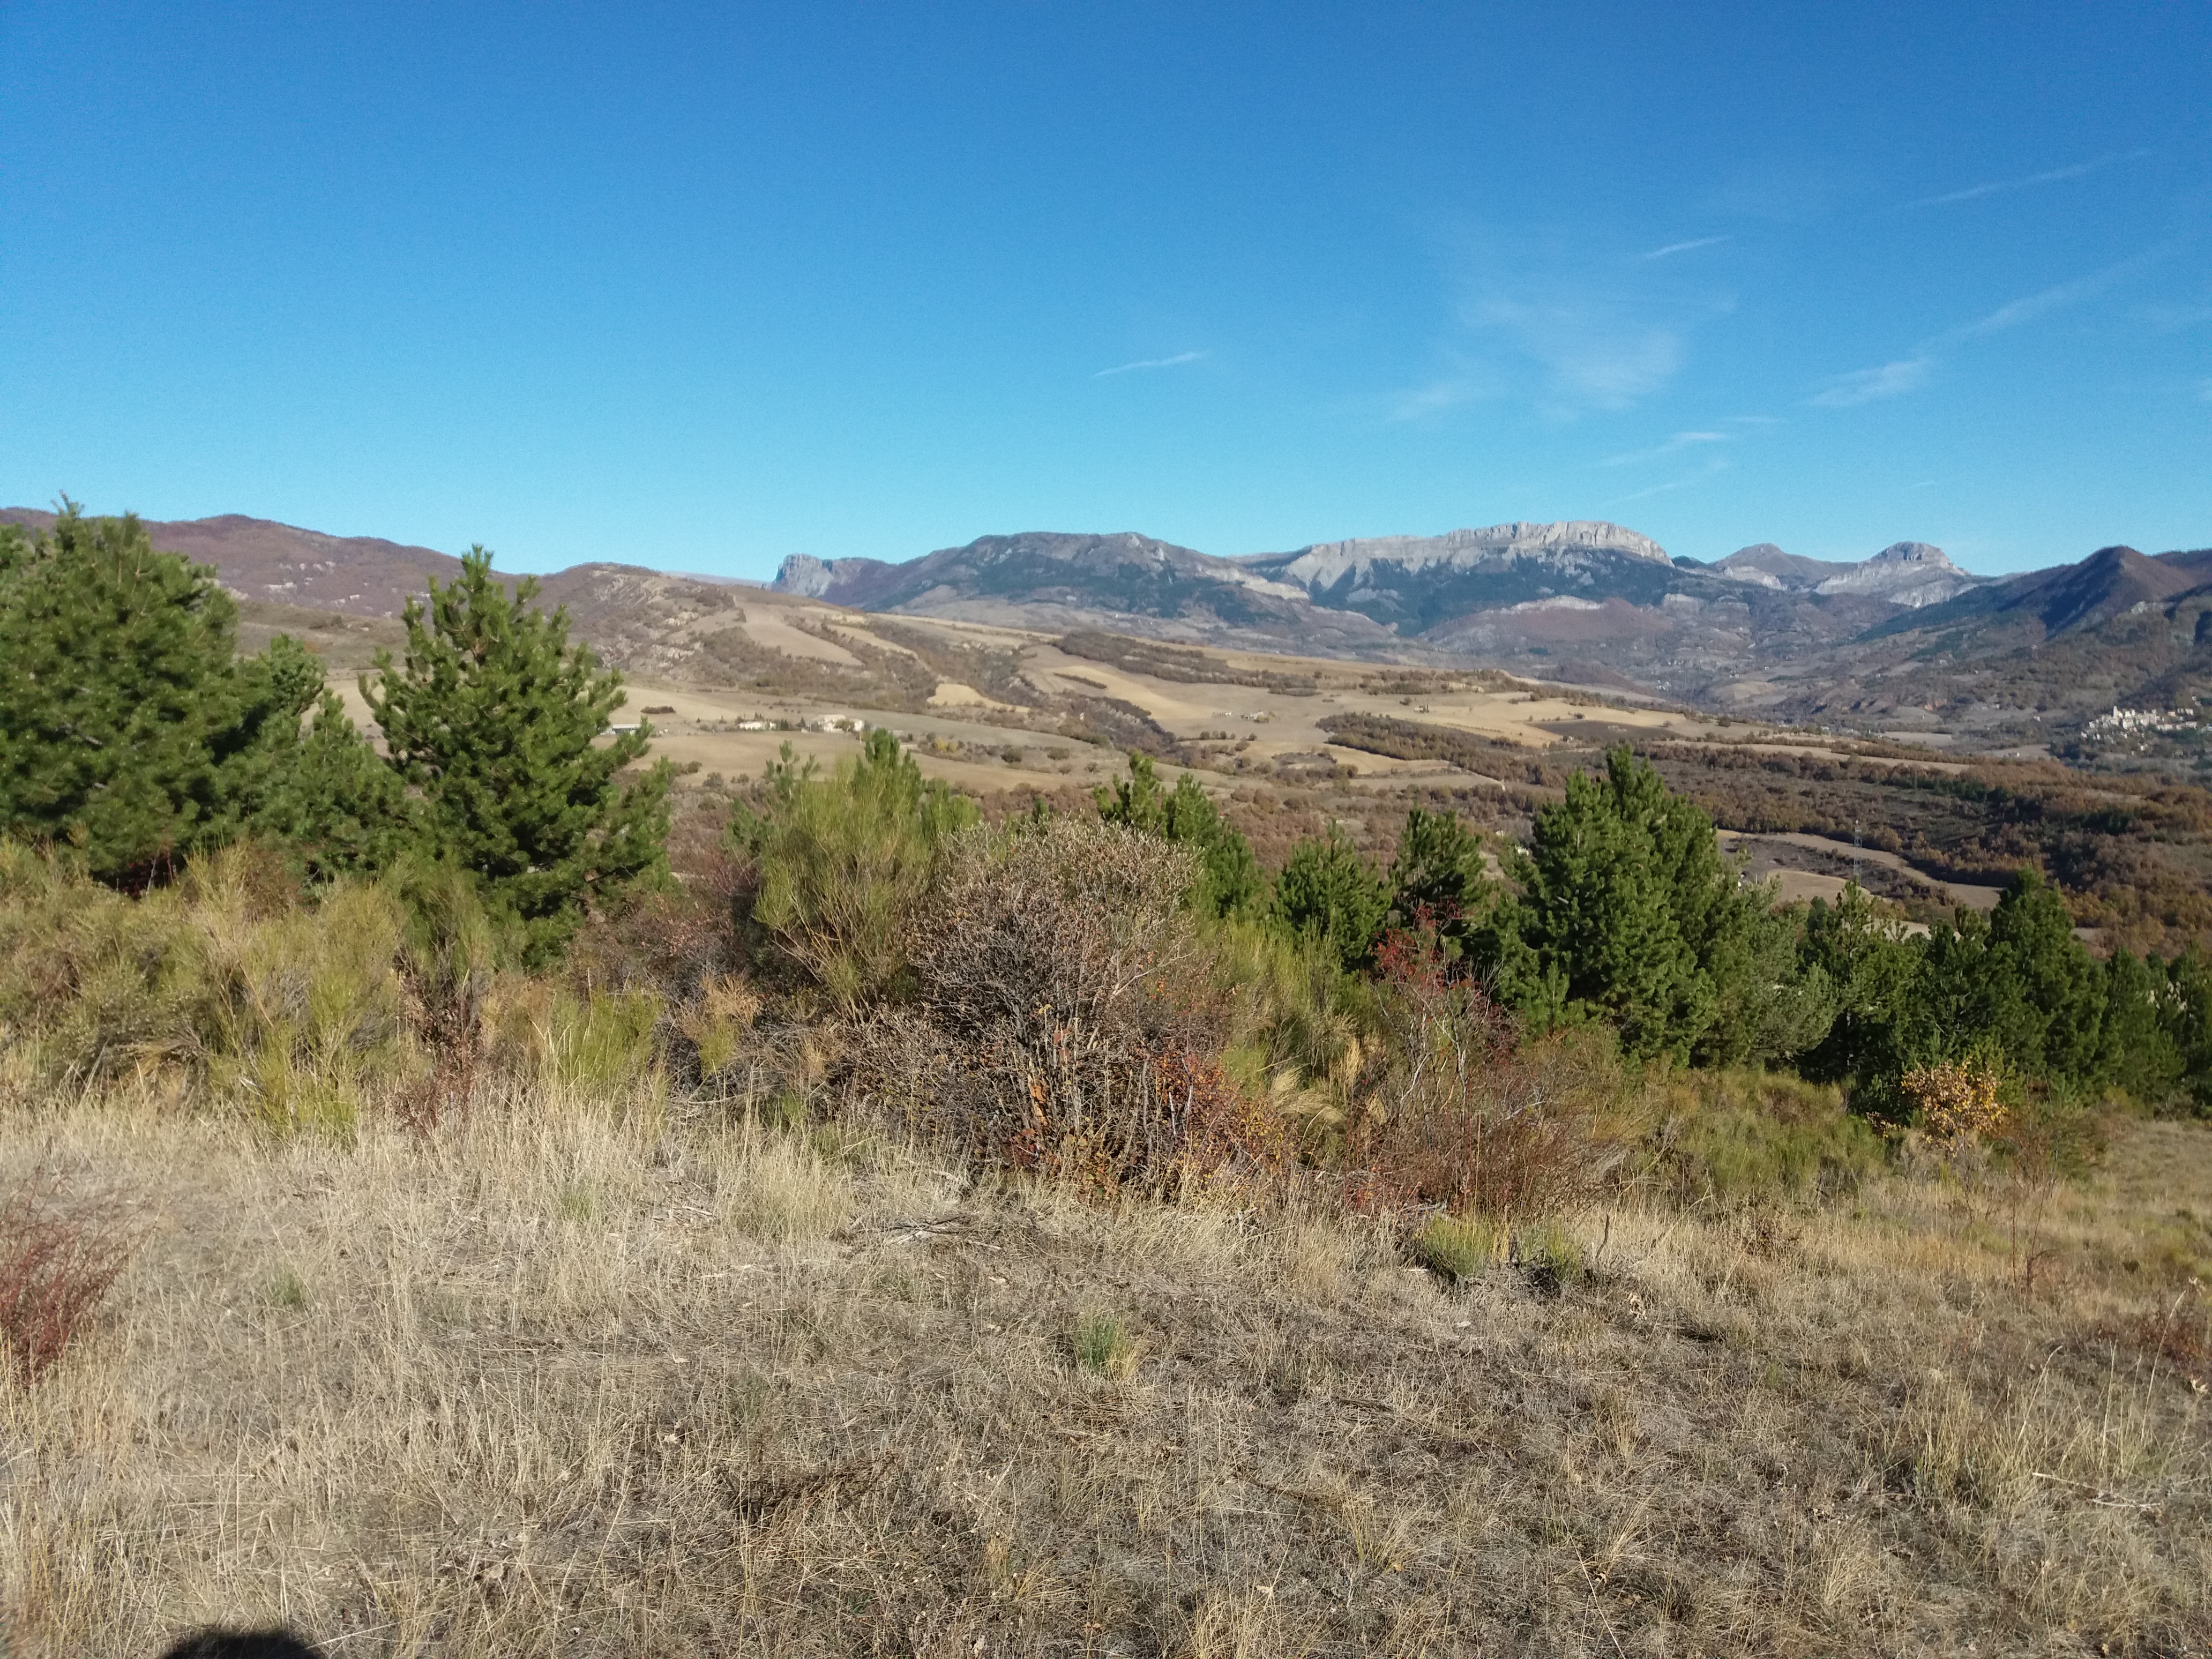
(779, 1186)
(718, 1021)
(576, 1202)
(1550, 1256)
(287, 1290)
(598, 1043)
(1104, 1346)
(1458, 1247)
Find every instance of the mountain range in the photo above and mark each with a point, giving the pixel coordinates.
(1597, 596)
(1903, 638)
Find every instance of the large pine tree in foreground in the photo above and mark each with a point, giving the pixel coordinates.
(131, 731)
(496, 720)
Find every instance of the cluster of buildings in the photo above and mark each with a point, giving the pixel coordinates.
(2140, 722)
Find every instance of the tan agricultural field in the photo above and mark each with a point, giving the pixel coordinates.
(1288, 744)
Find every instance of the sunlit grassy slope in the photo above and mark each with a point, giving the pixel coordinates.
(584, 1376)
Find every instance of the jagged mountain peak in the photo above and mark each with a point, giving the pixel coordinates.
(1911, 573)
(1122, 578)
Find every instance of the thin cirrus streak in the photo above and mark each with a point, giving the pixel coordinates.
(2001, 186)
(1673, 248)
(1907, 373)
(1867, 385)
(1150, 362)
(1673, 446)
(1712, 469)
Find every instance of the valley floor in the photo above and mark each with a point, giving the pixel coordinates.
(564, 1378)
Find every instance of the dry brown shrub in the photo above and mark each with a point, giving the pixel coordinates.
(1469, 1117)
(1066, 1025)
(1957, 1101)
(58, 1258)
(674, 939)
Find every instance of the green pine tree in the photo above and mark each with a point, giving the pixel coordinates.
(1330, 894)
(2137, 1051)
(494, 718)
(2016, 979)
(1437, 874)
(2052, 1004)
(1872, 964)
(324, 795)
(1228, 882)
(2184, 1009)
(1593, 933)
(1628, 913)
(847, 862)
(129, 727)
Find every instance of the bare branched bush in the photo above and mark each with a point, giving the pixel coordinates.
(1468, 1117)
(1064, 1024)
(58, 1258)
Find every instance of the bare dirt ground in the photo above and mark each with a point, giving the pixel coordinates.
(585, 1376)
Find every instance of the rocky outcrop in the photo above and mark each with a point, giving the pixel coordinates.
(1324, 565)
(1415, 583)
(1910, 573)
(803, 575)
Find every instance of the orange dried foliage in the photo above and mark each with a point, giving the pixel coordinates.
(1957, 1101)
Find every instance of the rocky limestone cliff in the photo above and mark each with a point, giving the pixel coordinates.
(1910, 573)
(803, 575)
(1325, 564)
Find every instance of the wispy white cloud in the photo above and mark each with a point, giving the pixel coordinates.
(2004, 187)
(1597, 353)
(1176, 360)
(1908, 374)
(1712, 469)
(1548, 319)
(1673, 248)
(1434, 399)
(1867, 385)
(2054, 298)
(1673, 446)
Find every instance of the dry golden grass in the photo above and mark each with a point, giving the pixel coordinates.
(586, 1378)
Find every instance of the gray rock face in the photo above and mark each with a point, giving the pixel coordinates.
(1325, 564)
(1910, 573)
(1415, 583)
(803, 575)
(1765, 565)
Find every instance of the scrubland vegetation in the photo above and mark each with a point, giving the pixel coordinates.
(453, 1211)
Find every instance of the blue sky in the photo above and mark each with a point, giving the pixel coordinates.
(702, 286)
